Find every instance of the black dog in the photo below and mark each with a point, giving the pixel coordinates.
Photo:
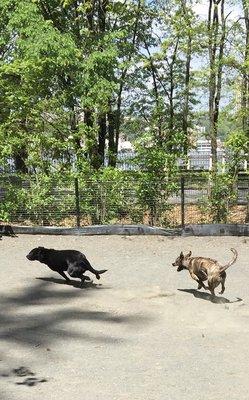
(72, 261)
(7, 231)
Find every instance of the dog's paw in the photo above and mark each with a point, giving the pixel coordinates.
(86, 279)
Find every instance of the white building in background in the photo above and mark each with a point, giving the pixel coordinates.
(126, 154)
(125, 146)
(200, 156)
(204, 146)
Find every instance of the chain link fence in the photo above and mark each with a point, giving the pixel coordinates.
(190, 199)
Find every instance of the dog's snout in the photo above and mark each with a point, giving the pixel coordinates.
(173, 264)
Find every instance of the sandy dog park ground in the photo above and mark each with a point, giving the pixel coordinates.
(142, 332)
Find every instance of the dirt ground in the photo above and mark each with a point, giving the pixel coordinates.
(142, 332)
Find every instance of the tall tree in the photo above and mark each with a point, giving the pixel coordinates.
(217, 32)
(245, 72)
(165, 96)
(245, 89)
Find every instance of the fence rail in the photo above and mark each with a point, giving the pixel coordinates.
(81, 203)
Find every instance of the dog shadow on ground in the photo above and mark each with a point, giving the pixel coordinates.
(209, 297)
(74, 283)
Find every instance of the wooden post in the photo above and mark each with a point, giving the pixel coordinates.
(77, 201)
(182, 203)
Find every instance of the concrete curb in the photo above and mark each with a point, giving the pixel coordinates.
(97, 230)
(129, 230)
(216, 230)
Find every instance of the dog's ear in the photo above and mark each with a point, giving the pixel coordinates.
(189, 254)
(181, 255)
(40, 254)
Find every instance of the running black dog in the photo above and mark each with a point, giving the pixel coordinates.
(72, 261)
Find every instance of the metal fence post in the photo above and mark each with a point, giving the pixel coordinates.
(182, 203)
(77, 201)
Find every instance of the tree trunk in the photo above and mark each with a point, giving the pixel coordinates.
(118, 113)
(74, 125)
(102, 138)
(245, 87)
(171, 123)
(90, 139)
(185, 115)
(111, 139)
(216, 42)
(245, 76)
(21, 155)
(20, 159)
(102, 6)
(158, 115)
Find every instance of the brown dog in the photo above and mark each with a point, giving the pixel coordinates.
(202, 269)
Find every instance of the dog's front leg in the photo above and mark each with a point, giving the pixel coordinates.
(64, 276)
(85, 278)
(200, 283)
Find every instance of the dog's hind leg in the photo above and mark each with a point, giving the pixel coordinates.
(85, 278)
(87, 266)
(223, 283)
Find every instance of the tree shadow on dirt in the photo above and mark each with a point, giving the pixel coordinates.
(41, 315)
(209, 297)
(22, 322)
(28, 378)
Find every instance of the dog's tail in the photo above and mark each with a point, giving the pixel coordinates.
(99, 272)
(230, 262)
(94, 271)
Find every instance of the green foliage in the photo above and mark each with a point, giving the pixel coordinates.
(157, 178)
(238, 141)
(36, 200)
(67, 67)
(238, 145)
(110, 195)
(105, 196)
(222, 195)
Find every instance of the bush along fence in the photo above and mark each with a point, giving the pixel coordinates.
(125, 199)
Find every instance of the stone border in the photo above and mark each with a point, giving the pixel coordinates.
(97, 230)
(189, 230)
(216, 230)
